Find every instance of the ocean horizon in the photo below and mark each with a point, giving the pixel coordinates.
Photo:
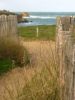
(44, 18)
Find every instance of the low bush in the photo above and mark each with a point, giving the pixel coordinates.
(12, 49)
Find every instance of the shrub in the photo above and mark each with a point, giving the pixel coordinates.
(13, 50)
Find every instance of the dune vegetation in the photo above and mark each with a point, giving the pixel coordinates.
(38, 77)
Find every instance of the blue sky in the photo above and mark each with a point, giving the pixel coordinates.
(38, 5)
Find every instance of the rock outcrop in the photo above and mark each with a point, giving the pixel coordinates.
(20, 17)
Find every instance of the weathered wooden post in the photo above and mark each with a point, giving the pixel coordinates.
(74, 72)
(64, 45)
(8, 25)
(37, 31)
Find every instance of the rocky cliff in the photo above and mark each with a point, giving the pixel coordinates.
(20, 17)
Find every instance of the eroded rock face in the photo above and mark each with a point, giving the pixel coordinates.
(24, 14)
(20, 17)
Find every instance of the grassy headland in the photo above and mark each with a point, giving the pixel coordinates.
(45, 32)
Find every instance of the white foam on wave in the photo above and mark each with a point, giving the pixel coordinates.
(41, 17)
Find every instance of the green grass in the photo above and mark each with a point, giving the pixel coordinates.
(5, 65)
(46, 32)
(12, 52)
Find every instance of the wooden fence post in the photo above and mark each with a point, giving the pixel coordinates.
(8, 25)
(64, 45)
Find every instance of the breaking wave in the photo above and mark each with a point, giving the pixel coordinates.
(41, 17)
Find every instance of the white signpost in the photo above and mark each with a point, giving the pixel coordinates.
(37, 31)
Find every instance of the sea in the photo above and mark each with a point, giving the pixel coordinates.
(44, 18)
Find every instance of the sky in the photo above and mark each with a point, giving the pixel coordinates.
(38, 5)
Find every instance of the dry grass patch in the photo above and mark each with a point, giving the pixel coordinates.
(37, 81)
